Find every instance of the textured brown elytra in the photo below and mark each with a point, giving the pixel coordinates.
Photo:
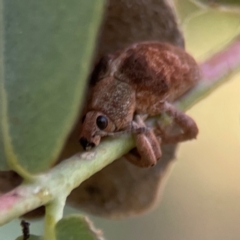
(130, 85)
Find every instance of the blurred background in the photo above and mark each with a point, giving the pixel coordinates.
(202, 196)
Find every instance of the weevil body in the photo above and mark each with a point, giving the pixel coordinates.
(142, 80)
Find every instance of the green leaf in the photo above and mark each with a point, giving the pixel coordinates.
(45, 54)
(76, 227)
(233, 5)
(3, 160)
(185, 9)
(210, 31)
(32, 237)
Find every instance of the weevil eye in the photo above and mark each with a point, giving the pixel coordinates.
(102, 122)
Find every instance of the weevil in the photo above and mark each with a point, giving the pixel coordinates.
(138, 82)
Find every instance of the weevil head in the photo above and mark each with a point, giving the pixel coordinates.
(95, 124)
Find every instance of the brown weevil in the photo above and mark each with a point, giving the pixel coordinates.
(138, 82)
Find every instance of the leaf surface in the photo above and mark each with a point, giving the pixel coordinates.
(45, 54)
(76, 227)
(32, 237)
(232, 5)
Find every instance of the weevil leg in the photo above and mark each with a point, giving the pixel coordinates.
(187, 124)
(148, 147)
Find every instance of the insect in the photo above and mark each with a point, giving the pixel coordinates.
(139, 82)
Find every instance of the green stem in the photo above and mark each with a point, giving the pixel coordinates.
(62, 179)
(54, 212)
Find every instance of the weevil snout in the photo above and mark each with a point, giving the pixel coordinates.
(86, 144)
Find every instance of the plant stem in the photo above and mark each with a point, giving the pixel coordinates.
(54, 212)
(62, 179)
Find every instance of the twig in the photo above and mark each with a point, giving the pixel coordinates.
(25, 229)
